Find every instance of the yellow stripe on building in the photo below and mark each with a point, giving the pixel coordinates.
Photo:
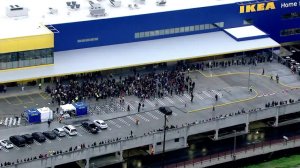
(27, 43)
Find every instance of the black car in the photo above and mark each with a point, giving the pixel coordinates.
(28, 138)
(50, 135)
(17, 140)
(165, 110)
(90, 126)
(38, 136)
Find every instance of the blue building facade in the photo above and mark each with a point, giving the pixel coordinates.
(279, 19)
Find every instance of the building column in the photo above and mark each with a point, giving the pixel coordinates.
(247, 128)
(276, 118)
(87, 163)
(216, 137)
(247, 124)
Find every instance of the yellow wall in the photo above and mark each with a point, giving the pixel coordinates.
(27, 43)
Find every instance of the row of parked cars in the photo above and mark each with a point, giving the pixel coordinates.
(22, 140)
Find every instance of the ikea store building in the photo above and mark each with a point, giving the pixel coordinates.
(47, 38)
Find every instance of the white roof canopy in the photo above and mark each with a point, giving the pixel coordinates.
(245, 32)
(138, 53)
(67, 107)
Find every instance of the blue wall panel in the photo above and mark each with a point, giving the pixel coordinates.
(122, 29)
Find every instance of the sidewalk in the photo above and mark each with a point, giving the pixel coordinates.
(17, 91)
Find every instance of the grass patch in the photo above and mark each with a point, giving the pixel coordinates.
(284, 162)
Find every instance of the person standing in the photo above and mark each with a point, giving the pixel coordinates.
(216, 97)
(49, 123)
(192, 98)
(277, 78)
(139, 107)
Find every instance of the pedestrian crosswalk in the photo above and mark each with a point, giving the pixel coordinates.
(186, 97)
(113, 123)
(207, 94)
(151, 115)
(123, 121)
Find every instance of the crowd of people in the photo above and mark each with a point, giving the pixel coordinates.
(144, 86)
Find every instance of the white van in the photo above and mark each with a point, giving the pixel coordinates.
(70, 129)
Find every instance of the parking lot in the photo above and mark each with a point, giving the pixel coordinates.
(231, 90)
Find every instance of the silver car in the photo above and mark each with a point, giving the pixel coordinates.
(7, 144)
(59, 132)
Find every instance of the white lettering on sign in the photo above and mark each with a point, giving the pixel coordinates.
(289, 4)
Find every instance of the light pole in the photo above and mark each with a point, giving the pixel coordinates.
(164, 142)
(249, 79)
(234, 144)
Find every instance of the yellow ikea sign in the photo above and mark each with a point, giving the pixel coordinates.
(257, 7)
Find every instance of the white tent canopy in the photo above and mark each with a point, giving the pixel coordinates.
(46, 114)
(67, 107)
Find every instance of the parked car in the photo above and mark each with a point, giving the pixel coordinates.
(59, 132)
(50, 135)
(70, 130)
(165, 110)
(6, 143)
(90, 126)
(101, 124)
(28, 138)
(38, 136)
(17, 140)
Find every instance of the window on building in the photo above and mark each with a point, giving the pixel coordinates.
(87, 40)
(192, 28)
(181, 29)
(171, 31)
(147, 34)
(161, 32)
(186, 29)
(202, 27)
(167, 31)
(290, 32)
(292, 15)
(248, 21)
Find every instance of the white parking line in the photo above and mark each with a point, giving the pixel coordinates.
(160, 102)
(151, 115)
(109, 128)
(149, 102)
(58, 138)
(4, 149)
(142, 117)
(47, 140)
(174, 114)
(111, 109)
(170, 100)
(36, 142)
(182, 101)
(79, 134)
(217, 93)
(131, 106)
(158, 112)
(131, 118)
(113, 123)
(187, 96)
(123, 121)
(198, 96)
(28, 146)
(207, 94)
(17, 148)
(69, 136)
(81, 127)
